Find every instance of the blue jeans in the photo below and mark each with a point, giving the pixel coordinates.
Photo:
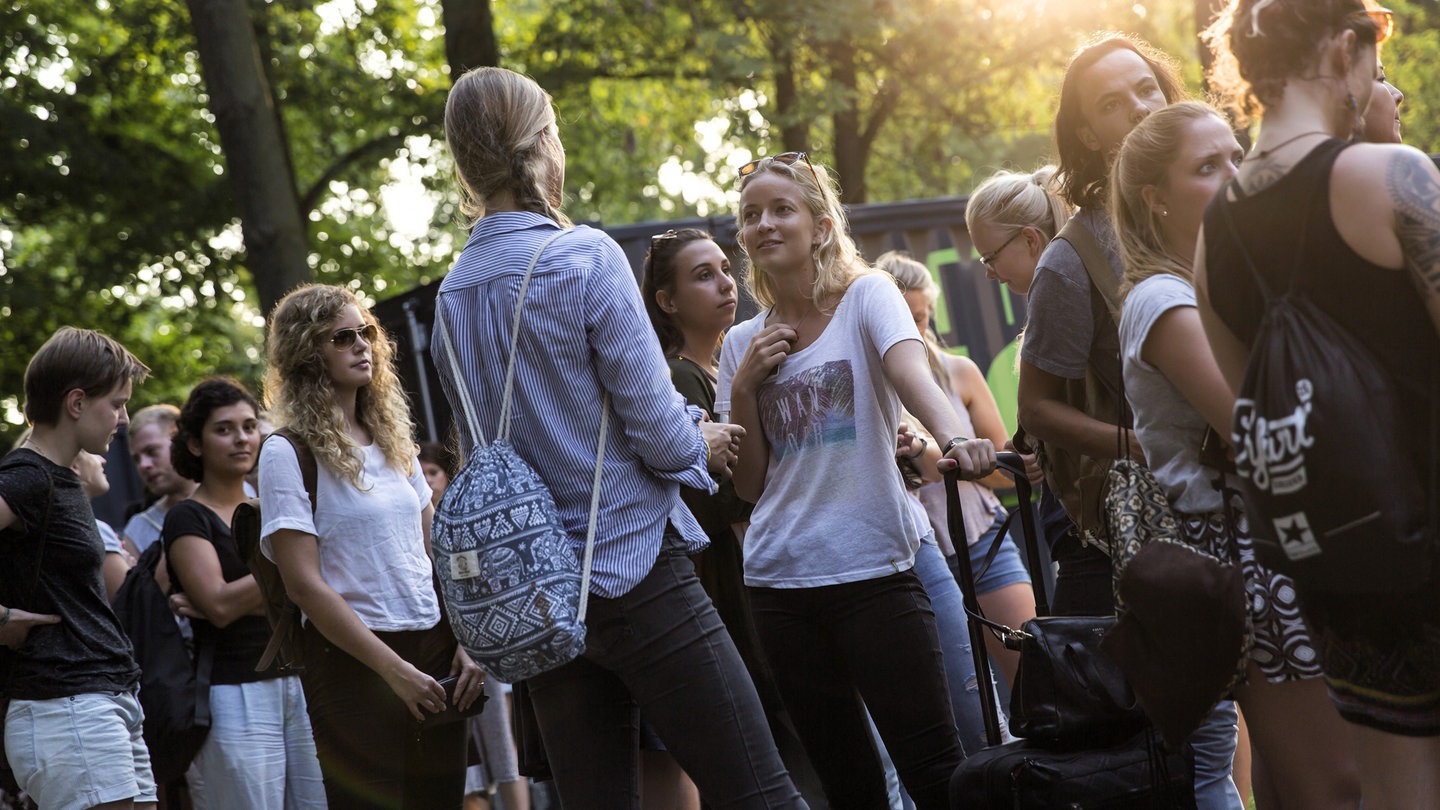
(954, 633)
(1214, 744)
(838, 649)
(1007, 568)
(661, 648)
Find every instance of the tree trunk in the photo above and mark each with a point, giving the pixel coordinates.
(1205, 11)
(850, 151)
(255, 151)
(469, 35)
(794, 130)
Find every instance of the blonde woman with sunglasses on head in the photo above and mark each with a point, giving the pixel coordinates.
(817, 380)
(358, 566)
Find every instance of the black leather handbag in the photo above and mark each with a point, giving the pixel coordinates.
(1066, 688)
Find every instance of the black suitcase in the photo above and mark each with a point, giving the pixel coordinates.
(1136, 773)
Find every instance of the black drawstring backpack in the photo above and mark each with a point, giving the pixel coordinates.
(1324, 477)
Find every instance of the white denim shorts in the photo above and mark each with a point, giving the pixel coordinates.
(76, 752)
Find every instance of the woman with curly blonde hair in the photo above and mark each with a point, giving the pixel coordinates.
(357, 563)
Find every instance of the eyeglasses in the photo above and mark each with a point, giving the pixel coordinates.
(1382, 18)
(989, 259)
(345, 338)
(784, 159)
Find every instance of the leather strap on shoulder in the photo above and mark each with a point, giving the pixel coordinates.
(1097, 264)
(309, 471)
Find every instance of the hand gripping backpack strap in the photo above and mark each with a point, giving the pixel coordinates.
(502, 430)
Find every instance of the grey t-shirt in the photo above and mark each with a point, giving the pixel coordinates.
(1167, 425)
(1060, 327)
(87, 651)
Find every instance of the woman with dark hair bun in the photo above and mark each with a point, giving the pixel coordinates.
(1359, 227)
(260, 752)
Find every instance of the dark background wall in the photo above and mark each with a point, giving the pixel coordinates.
(975, 316)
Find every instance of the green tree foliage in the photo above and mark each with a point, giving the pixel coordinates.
(119, 216)
(119, 213)
(1412, 63)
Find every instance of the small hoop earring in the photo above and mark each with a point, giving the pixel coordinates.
(1350, 102)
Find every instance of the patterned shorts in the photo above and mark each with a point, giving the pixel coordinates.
(1282, 648)
(1382, 656)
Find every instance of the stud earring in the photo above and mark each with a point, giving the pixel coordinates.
(1165, 212)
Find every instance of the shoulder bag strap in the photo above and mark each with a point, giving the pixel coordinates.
(309, 469)
(1097, 264)
(503, 429)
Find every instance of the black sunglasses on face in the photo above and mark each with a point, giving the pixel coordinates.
(784, 159)
(345, 338)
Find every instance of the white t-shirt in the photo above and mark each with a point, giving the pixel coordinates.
(834, 509)
(372, 549)
(143, 528)
(1166, 424)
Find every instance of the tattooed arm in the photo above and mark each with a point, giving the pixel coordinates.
(1414, 184)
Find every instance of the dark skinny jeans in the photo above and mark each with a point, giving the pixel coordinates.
(661, 648)
(839, 649)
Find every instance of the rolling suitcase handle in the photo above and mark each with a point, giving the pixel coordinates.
(956, 519)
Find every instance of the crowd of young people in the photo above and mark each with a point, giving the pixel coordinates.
(770, 603)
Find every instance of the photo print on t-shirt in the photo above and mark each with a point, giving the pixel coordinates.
(813, 408)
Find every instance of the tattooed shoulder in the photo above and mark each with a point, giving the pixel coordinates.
(1414, 185)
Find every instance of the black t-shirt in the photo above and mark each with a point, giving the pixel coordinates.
(239, 645)
(86, 652)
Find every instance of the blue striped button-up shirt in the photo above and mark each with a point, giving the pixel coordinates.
(583, 333)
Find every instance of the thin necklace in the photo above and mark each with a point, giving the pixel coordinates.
(705, 367)
(40, 451)
(1264, 153)
(796, 326)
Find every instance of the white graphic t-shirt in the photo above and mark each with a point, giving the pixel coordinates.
(834, 507)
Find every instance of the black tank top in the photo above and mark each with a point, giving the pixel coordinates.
(1379, 306)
